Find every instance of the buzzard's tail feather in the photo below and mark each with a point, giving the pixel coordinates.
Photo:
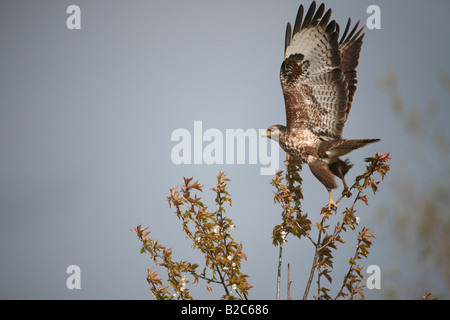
(334, 149)
(352, 144)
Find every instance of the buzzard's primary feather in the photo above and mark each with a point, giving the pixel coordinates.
(318, 79)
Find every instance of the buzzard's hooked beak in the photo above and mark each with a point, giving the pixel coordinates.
(266, 134)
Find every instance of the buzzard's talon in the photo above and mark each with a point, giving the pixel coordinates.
(346, 192)
(329, 207)
(331, 204)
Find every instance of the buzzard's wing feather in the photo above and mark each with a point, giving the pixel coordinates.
(298, 20)
(350, 48)
(317, 74)
(288, 36)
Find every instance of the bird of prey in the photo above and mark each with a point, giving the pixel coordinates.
(318, 79)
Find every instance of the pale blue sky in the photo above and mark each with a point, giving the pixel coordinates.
(86, 118)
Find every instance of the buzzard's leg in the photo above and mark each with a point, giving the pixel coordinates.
(321, 171)
(345, 185)
(346, 192)
(331, 203)
(340, 169)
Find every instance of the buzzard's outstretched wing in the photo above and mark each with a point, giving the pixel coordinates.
(318, 73)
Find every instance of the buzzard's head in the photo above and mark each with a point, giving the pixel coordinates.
(275, 132)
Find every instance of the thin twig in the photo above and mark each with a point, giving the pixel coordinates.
(305, 233)
(279, 270)
(289, 282)
(311, 275)
(222, 280)
(314, 264)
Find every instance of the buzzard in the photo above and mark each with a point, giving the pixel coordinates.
(318, 79)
